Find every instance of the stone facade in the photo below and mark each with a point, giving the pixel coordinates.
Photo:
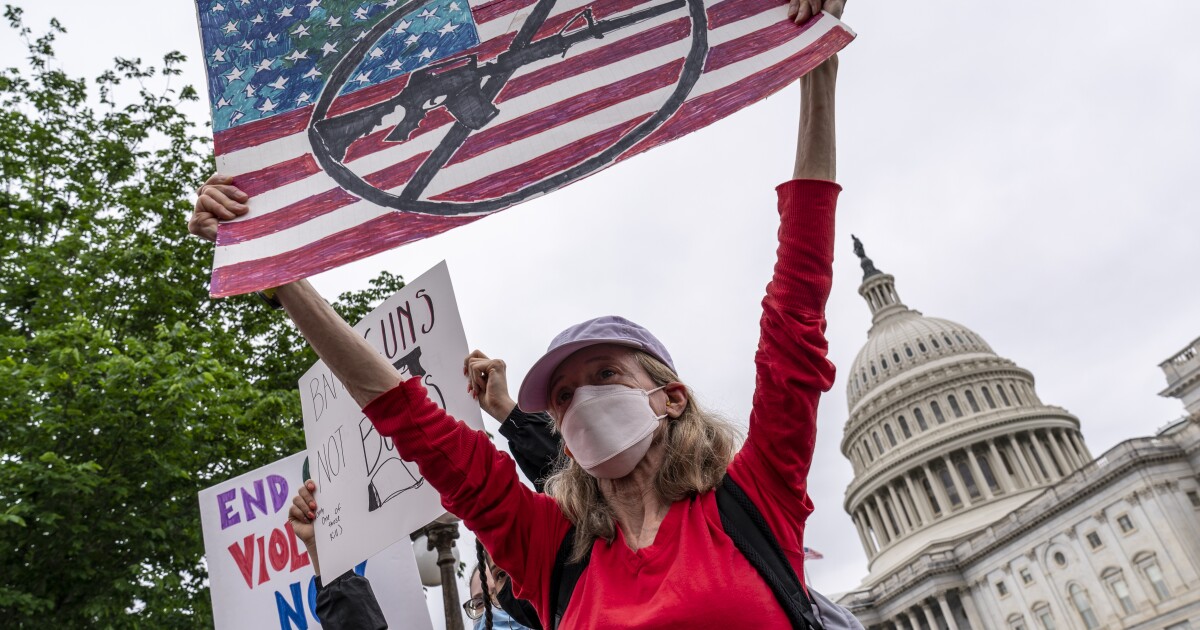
(981, 507)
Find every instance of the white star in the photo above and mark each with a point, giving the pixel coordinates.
(411, 39)
(389, 4)
(360, 36)
(267, 106)
(279, 83)
(360, 13)
(362, 77)
(272, 38)
(231, 27)
(395, 66)
(247, 45)
(427, 53)
(454, 7)
(250, 91)
(218, 55)
(314, 4)
(245, 2)
(222, 103)
(258, 19)
(297, 55)
(301, 31)
(238, 115)
(312, 74)
(448, 28)
(235, 74)
(402, 26)
(376, 53)
(285, 13)
(334, 22)
(218, 7)
(303, 98)
(428, 13)
(265, 64)
(328, 49)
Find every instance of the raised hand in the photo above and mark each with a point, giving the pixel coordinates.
(488, 383)
(217, 200)
(301, 515)
(800, 11)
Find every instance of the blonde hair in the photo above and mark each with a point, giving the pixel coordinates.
(699, 447)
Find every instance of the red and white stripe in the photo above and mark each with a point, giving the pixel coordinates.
(553, 115)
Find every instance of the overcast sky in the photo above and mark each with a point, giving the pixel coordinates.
(1031, 174)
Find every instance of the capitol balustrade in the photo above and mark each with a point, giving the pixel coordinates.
(1183, 363)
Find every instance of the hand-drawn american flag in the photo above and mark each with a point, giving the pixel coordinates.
(630, 75)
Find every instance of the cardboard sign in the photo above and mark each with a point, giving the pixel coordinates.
(358, 127)
(259, 572)
(368, 497)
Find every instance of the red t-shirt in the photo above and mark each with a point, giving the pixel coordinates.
(692, 575)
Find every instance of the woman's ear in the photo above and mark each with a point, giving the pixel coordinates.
(677, 399)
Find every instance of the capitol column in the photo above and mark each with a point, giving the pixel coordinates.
(900, 510)
(998, 468)
(911, 502)
(1026, 465)
(881, 535)
(946, 612)
(968, 604)
(1065, 444)
(958, 484)
(938, 489)
(930, 620)
(923, 508)
(1040, 450)
(862, 535)
(980, 480)
(1068, 467)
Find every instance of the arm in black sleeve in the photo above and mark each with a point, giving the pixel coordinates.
(349, 603)
(533, 443)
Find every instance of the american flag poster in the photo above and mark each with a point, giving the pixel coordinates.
(359, 126)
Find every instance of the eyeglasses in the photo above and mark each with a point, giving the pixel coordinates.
(474, 607)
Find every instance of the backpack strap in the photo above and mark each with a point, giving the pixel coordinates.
(563, 578)
(745, 525)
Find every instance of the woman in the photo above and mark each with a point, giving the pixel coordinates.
(644, 460)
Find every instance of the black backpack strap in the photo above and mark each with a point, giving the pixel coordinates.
(563, 578)
(749, 531)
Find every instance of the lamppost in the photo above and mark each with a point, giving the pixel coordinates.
(439, 536)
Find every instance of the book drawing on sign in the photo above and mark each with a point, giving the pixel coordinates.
(360, 127)
(368, 496)
(260, 575)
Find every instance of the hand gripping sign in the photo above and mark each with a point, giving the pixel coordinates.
(358, 127)
(368, 497)
(260, 575)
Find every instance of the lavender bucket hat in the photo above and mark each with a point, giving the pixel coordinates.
(535, 389)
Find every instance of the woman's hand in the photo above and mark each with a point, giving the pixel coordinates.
(301, 515)
(217, 200)
(488, 383)
(800, 11)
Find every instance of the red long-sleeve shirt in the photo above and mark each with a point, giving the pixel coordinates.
(692, 575)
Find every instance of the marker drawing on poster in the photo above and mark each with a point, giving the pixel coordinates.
(358, 127)
(368, 496)
(259, 573)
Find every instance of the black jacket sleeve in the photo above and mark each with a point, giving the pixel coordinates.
(533, 444)
(520, 610)
(348, 603)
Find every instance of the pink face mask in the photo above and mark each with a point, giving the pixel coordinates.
(608, 428)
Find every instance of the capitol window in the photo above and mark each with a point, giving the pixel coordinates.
(987, 397)
(1116, 583)
(1094, 540)
(904, 427)
(921, 346)
(1003, 396)
(1016, 622)
(920, 418)
(1125, 523)
(891, 435)
(1194, 497)
(1153, 574)
(954, 406)
(941, 419)
(907, 350)
(1041, 612)
(971, 401)
(1026, 576)
(1083, 605)
(1060, 559)
(935, 343)
(1002, 589)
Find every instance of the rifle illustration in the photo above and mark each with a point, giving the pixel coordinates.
(457, 84)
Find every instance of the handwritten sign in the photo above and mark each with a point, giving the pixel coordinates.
(369, 497)
(260, 575)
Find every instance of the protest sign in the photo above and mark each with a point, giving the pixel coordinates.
(358, 127)
(368, 497)
(259, 573)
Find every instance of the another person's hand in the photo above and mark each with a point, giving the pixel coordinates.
(301, 515)
(217, 200)
(800, 11)
(488, 383)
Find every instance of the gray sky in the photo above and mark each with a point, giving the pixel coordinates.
(1029, 174)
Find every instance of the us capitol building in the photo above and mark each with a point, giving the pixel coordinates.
(979, 506)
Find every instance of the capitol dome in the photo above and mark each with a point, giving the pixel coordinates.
(944, 434)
